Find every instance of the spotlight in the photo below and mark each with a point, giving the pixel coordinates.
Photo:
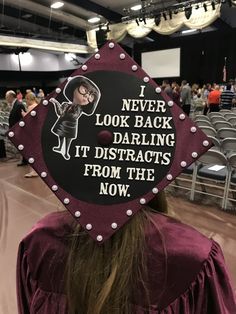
(157, 20)
(170, 14)
(137, 22)
(197, 7)
(164, 16)
(142, 19)
(188, 12)
(213, 5)
(205, 7)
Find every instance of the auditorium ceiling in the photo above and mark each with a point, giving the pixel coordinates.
(37, 20)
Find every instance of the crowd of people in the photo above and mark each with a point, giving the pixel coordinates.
(201, 99)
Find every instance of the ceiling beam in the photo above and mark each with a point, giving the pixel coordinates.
(57, 15)
(98, 9)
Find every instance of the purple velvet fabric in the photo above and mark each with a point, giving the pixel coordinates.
(187, 273)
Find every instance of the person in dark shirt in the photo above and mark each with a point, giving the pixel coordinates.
(227, 97)
(15, 114)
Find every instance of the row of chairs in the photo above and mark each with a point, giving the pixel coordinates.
(214, 174)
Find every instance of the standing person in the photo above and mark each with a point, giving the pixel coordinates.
(185, 96)
(31, 103)
(227, 97)
(213, 99)
(83, 96)
(15, 114)
(19, 95)
(167, 88)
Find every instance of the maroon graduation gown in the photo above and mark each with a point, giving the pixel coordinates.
(186, 270)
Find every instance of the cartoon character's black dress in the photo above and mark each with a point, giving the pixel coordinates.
(66, 126)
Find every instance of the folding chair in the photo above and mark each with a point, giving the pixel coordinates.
(224, 111)
(184, 180)
(222, 124)
(216, 142)
(211, 167)
(227, 116)
(231, 186)
(201, 117)
(232, 121)
(214, 114)
(214, 119)
(226, 132)
(228, 145)
(209, 130)
(203, 123)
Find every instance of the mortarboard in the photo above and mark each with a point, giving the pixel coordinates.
(111, 154)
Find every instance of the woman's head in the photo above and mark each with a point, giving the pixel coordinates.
(30, 98)
(83, 92)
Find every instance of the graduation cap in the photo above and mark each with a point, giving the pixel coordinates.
(107, 140)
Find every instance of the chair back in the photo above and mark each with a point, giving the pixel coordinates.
(222, 124)
(208, 130)
(213, 156)
(228, 145)
(226, 132)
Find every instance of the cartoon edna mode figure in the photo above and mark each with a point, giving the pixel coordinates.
(83, 96)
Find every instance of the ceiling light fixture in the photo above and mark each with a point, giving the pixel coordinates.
(94, 20)
(189, 31)
(136, 7)
(213, 5)
(164, 16)
(157, 20)
(188, 12)
(57, 5)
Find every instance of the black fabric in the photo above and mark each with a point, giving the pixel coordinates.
(15, 114)
(2, 149)
(212, 174)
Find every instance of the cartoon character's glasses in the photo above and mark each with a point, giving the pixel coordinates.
(85, 92)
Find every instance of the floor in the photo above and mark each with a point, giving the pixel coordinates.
(23, 201)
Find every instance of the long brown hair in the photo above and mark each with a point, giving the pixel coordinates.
(102, 279)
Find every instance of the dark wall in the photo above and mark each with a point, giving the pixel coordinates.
(202, 55)
(24, 80)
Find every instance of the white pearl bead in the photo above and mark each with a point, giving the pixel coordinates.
(89, 227)
(45, 102)
(170, 103)
(155, 190)
(193, 129)
(122, 56)
(66, 201)
(20, 147)
(182, 116)
(134, 67)
(58, 90)
(194, 154)
(54, 188)
(43, 174)
(33, 113)
(21, 124)
(111, 45)
(129, 212)
(11, 134)
(114, 225)
(31, 160)
(183, 164)
(146, 79)
(99, 238)
(169, 177)
(84, 67)
(205, 143)
(158, 90)
(97, 56)
(77, 214)
(142, 201)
